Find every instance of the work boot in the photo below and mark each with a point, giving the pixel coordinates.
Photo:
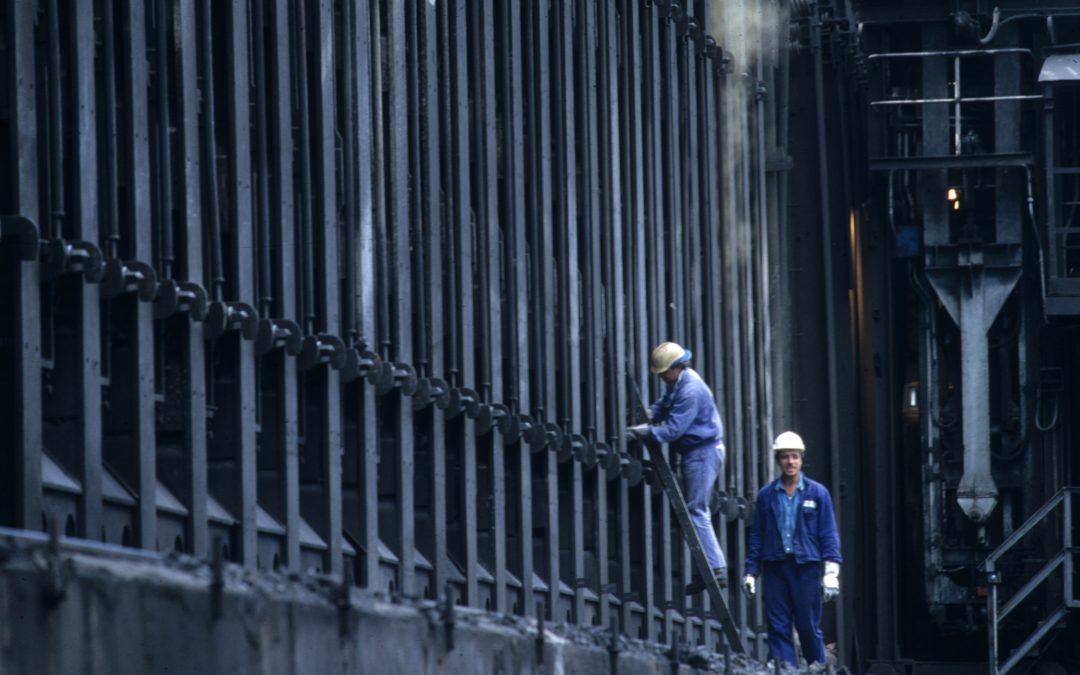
(697, 584)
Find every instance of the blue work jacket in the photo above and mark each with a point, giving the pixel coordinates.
(686, 416)
(816, 538)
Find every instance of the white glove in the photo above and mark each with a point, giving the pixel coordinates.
(830, 583)
(749, 584)
(638, 431)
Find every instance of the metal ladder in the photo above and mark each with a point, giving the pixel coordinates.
(674, 495)
(697, 553)
(1064, 559)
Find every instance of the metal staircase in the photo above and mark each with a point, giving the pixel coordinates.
(1060, 507)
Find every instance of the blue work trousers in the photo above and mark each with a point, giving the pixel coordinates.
(793, 598)
(700, 468)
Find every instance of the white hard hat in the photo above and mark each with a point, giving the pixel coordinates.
(666, 355)
(789, 440)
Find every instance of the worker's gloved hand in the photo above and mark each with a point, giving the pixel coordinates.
(749, 584)
(638, 431)
(830, 583)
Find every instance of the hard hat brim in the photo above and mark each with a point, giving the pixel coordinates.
(687, 354)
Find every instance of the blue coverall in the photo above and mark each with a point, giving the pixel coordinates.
(791, 573)
(686, 417)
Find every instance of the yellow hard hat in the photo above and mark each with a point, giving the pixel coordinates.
(666, 355)
(789, 440)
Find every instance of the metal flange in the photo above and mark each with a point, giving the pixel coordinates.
(228, 316)
(388, 376)
(65, 257)
(584, 450)
(319, 349)
(185, 296)
(131, 276)
(359, 362)
(532, 432)
(632, 471)
(25, 233)
(564, 448)
(430, 390)
(278, 334)
(608, 459)
(548, 435)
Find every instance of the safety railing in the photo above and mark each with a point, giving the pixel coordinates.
(1063, 560)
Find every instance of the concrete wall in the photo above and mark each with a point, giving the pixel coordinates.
(73, 610)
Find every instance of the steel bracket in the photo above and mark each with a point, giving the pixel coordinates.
(585, 452)
(132, 276)
(321, 348)
(185, 296)
(532, 432)
(632, 470)
(706, 47)
(462, 400)
(26, 234)
(276, 334)
(563, 448)
(359, 362)
(608, 459)
(227, 316)
(63, 257)
(430, 390)
(388, 376)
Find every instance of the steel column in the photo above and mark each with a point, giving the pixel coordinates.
(27, 288)
(192, 395)
(140, 460)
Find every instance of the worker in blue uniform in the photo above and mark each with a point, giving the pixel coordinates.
(795, 550)
(686, 418)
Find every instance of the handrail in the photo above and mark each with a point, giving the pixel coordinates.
(1064, 560)
(1018, 533)
(1050, 622)
(1046, 571)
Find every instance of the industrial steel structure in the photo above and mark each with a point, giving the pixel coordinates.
(357, 288)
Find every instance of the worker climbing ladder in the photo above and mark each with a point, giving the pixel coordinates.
(663, 472)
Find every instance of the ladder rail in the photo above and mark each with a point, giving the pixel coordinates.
(674, 495)
(1064, 560)
(697, 552)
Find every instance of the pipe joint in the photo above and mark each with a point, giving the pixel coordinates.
(430, 390)
(320, 349)
(607, 457)
(631, 469)
(185, 296)
(26, 234)
(532, 432)
(65, 257)
(706, 46)
(359, 362)
(129, 277)
(279, 334)
(228, 316)
(388, 376)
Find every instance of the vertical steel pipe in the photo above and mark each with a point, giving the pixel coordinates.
(83, 200)
(26, 295)
(209, 157)
(193, 395)
(140, 465)
(281, 214)
(367, 282)
(402, 347)
(242, 280)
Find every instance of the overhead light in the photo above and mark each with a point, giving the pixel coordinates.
(952, 195)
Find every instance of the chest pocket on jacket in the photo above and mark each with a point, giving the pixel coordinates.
(809, 517)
